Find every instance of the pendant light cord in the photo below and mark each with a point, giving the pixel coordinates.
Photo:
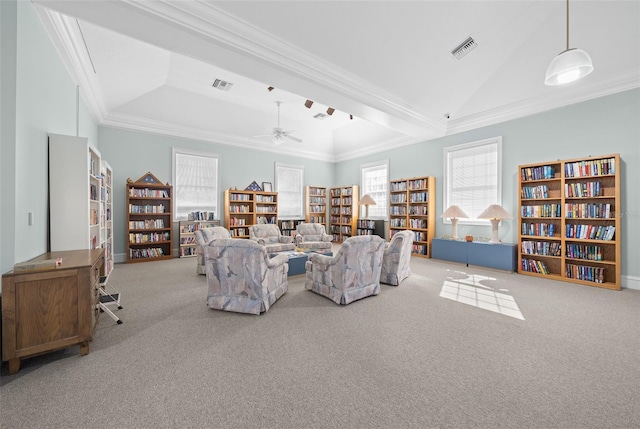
(567, 25)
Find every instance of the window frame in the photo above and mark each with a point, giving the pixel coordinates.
(446, 198)
(191, 152)
(300, 168)
(385, 208)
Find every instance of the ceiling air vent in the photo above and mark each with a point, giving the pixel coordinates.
(464, 48)
(320, 116)
(222, 85)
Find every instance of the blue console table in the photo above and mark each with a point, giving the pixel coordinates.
(502, 256)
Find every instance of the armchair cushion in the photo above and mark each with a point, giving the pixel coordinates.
(241, 276)
(397, 258)
(204, 237)
(269, 235)
(353, 273)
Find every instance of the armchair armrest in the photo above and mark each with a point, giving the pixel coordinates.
(285, 239)
(277, 260)
(326, 237)
(323, 261)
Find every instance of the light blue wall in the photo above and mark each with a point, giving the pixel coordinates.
(131, 154)
(601, 126)
(45, 102)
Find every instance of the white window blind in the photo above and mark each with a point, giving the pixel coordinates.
(374, 180)
(472, 177)
(289, 186)
(195, 183)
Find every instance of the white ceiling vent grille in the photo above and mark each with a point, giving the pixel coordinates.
(464, 48)
(222, 85)
(320, 116)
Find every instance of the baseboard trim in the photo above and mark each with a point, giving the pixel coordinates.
(630, 282)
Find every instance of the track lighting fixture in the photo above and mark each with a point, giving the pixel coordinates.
(270, 89)
(330, 111)
(350, 117)
(308, 104)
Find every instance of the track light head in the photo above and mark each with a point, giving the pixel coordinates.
(270, 88)
(330, 111)
(308, 104)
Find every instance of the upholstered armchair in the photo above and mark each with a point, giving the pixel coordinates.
(269, 235)
(241, 276)
(204, 237)
(312, 236)
(397, 256)
(353, 273)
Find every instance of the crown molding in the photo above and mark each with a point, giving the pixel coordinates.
(136, 123)
(531, 106)
(64, 33)
(381, 147)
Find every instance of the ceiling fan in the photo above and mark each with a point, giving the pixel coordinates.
(279, 135)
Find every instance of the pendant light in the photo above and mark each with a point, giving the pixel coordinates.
(570, 65)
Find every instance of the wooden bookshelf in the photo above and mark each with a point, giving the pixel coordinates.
(569, 216)
(343, 212)
(412, 205)
(149, 220)
(370, 227)
(316, 205)
(288, 227)
(187, 230)
(245, 208)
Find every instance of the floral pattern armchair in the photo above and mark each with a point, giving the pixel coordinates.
(312, 236)
(397, 257)
(269, 235)
(353, 273)
(204, 237)
(241, 276)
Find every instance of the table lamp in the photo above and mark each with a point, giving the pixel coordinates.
(453, 213)
(495, 214)
(367, 201)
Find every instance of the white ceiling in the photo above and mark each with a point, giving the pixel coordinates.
(149, 65)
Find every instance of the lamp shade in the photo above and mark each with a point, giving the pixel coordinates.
(454, 212)
(568, 66)
(367, 201)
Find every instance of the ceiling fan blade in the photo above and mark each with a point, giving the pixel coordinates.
(295, 139)
(263, 135)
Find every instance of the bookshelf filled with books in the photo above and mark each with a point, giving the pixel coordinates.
(149, 220)
(106, 221)
(343, 212)
(316, 205)
(245, 208)
(288, 227)
(187, 230)
(411, 206)
(569, 215)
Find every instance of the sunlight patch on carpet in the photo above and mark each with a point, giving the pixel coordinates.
(471, 291)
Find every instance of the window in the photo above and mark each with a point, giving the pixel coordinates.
(195, 183)
(289, 184)
(374, 180)
(472, 177)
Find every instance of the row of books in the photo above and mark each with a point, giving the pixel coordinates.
(397, 186)
(534, 266)
(264, 198)
(289, 224)
(266, 209)
(585, 189)
(541, 191)
(136, 209)
(266, 220)
(234, 221)
(585, 272)
(588, 210)
(147, 224)
(539, 229)
(344, 219)
(419, 249)
(418, 197)
(317, 200)
(398, 210)
(317, 219)
(240, 197)
(239, 209)
(419, 236)
(546, 248)
(417, 223)
(148, 193)
(418, 184)
(591, 232)
(418, 210)
(398, 198)
(189, 239)
(239, 232)
(152, 252)
(366, 223)
(341, 191)
(93, 192)
(193, 227)
(317, 209)
(537, 173)
(137, 238)
(317, 191)
(596, 167)
(543, 210)
(584, 251)
(398, 222)
(188, 251)
(201, 215)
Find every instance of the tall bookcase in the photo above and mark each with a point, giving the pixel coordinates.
(149, 220)
(344, 212)
(187, 230)
(75, 191)
(288, 227)
(106, 212)
(412, 205)
(569, 215)
(316, 205)
(245, 208)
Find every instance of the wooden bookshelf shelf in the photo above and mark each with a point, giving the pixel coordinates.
(412, 204)
(245, 208)
(343, 212)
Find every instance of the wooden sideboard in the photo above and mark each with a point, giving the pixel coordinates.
(48, 310)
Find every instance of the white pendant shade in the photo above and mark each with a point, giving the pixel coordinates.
(568, 66)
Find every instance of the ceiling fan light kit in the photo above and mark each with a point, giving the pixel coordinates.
(570, 65)
(278, 134)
